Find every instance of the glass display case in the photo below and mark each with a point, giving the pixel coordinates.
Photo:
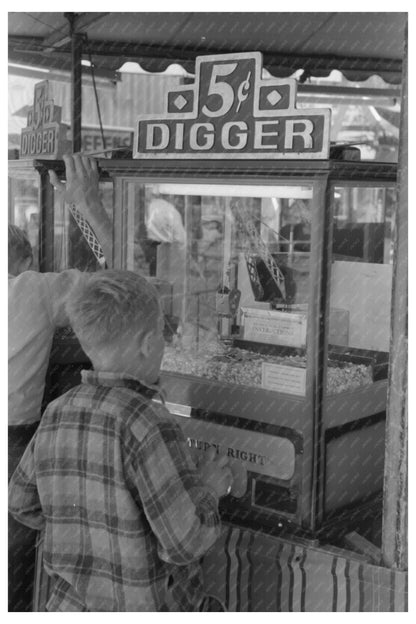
(28, 198)
(275, 280)
(55, 233)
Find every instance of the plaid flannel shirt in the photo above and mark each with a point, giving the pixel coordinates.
(109, 478)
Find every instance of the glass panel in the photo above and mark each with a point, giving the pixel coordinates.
(363, 224)
(232, 266)
(72, 249)
(24, 211)
(361, 283)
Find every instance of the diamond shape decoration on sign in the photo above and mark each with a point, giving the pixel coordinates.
(274, 97)
(180, 101)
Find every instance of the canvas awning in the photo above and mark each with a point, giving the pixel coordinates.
(357, 44)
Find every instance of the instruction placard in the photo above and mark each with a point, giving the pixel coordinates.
(281, 378)
(271, 327)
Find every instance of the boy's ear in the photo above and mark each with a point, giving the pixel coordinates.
(145, 342)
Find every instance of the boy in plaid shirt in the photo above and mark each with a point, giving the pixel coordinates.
(108, 475)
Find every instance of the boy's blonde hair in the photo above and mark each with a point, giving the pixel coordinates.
(19, 247)
(110, 303)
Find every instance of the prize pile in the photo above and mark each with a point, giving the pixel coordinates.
(216, 361)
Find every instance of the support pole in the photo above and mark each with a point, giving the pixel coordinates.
(76, 99)
(394, 544)
(76, 83)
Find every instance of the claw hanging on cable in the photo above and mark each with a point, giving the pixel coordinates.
(243, 216)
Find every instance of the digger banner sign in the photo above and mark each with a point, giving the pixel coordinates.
(232, 112)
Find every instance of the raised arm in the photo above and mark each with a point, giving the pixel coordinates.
(81, 189)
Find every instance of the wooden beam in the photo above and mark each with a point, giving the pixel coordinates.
(321, 89)
(76, 91)
(179, 54)
(65, 76)
(394, 544)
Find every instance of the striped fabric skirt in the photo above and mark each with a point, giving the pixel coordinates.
(250, 571)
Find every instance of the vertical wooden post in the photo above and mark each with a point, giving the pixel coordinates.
(394, 534)
(76, 83)
(76, 100)
(317, 348)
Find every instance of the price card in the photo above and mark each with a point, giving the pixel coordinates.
(281, 378)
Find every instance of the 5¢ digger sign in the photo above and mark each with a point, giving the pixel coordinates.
(231, 112)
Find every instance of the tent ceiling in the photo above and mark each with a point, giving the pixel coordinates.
(358, 44)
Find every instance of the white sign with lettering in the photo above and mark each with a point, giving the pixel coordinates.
(272, 327)
(273, 456)
(281, 378)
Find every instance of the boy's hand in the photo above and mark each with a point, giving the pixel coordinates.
(81, 185)
(215, 472)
